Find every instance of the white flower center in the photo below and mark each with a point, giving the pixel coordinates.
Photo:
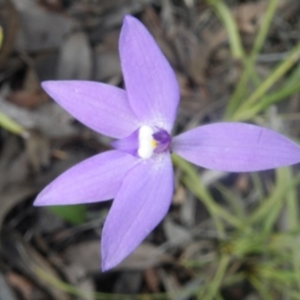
(147, 144)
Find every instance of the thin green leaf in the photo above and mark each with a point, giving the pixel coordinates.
(74, 214)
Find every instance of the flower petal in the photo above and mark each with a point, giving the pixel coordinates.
(142, 201)
(99, 106)
(236, 147)
(151, 84)
(129, 144)
(95, 179)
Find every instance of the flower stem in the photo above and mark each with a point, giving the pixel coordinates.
(281, 70)
(191, 180)
(218, 278)
(250, 61)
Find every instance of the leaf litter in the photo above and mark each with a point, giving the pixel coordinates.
(78, 40)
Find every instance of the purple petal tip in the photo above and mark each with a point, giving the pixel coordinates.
(45, 84)
(106, 266)
(41, 199)
(128, 18)
(38, 202)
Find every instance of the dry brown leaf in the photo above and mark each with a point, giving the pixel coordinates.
(6, 292)
(21, 256)
(176, 234)
(38, 150)
(180, 195)
(10, 25)
(13, 164)
(49, 34)
(248, 16)
(169, 281)
(17, 194)
(87, 255)
(128, 283)
(144, 257)
(76, 275)
(21, 284)
(152, 280)
(28, 99)
(52, 5)
(31, 95)
(242, 183)
(50, 119)
(75, 57)
(107, 58)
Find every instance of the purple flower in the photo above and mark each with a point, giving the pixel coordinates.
(138, 174)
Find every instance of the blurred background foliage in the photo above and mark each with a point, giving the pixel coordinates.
(227, 236)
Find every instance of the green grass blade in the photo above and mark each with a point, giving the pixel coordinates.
(12, 126)
(277, 74)
(229, 22)
(241, 88)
